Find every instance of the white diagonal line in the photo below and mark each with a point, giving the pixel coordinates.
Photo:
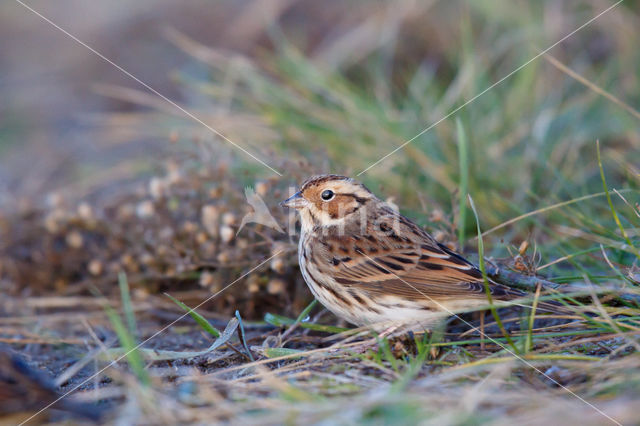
(493, 85)
(154, 335)
(497, 343)
(145, 85)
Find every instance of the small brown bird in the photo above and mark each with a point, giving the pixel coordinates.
(372, 266)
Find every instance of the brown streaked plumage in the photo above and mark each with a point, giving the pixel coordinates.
(372, 266)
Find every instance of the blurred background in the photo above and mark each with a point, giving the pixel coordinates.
(111, 195)
(315, 87)
(66, 111)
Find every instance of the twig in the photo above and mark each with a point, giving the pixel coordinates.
(529, 283)
(520, 281)
(242, 336)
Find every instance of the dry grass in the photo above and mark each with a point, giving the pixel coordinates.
(525, 151)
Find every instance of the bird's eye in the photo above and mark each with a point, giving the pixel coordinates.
(327, 194)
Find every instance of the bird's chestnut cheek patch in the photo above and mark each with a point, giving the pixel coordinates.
(339, 207)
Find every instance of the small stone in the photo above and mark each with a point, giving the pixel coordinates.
(253, 284)
(126, 259)
(85, 211)
(145, 209)
(74, 239)
(207, 279)
(95, 267)
(51, 224)
(201, 238)
(224, 257)
(157, 188)
(278, 265)
(210, 216)
(276, 286)
(226, 233)
(146, 259)
(174, 175)
(229, 219)
(189, 227)
(55, 220)
(140, 293)
(262, 188)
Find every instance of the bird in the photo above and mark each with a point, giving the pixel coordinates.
(26, 393)
(374, 267)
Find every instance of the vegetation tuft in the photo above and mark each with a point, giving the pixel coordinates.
(550, 158)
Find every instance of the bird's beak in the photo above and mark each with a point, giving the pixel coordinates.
(296, 201)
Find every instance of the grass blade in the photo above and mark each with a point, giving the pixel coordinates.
(463, 159)
(154, 355)
(485, 279)
(242, 336)
(127, 306)
(202, 321)
(282, 321)
(613, 210)
(129, 346)
(278, 352)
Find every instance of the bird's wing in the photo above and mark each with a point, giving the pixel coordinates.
(408, 263)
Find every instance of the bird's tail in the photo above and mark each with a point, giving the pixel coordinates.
(514, 297)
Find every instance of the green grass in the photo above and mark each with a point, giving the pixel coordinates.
(128, 334)
(463, 156)
(202, 322)
(526, 149)
(526, 154)
(531, 140)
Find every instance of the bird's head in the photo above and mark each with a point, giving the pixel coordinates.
(328, 200)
